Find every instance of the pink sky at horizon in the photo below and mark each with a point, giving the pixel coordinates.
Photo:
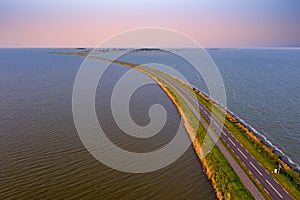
(216, 23)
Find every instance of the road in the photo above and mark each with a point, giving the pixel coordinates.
(272, 187)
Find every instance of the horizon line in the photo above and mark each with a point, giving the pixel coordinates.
(87, 47)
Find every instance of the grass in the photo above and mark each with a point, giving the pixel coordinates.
(225, 181)
(288, 178)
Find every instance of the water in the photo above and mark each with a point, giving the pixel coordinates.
(262, 88)
(41, 155)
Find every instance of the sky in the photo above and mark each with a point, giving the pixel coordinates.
(212, 23)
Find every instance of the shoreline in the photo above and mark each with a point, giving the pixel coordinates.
(194, 140)
(264, 150)
(256, 135)
(247, 128)
(287, 170)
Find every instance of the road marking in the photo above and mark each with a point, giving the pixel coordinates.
(251, 164)
(242, 153)
(231, 141)
(217, 126)
(255, 168)
(274, 189)
(224, 133)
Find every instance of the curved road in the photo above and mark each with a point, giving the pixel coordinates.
(271, 186)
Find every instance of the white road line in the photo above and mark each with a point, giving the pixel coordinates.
(224, 133)
(242, 153)
(274, 189)
(255, 168)
(231, 141)
(207, 113)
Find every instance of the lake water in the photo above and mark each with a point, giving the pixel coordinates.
(262, 88)
(42, 156)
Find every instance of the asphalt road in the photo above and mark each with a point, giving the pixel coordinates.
(271, 186)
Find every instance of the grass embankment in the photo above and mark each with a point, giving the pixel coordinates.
(225, 181)
(221, 115)
(288, 178)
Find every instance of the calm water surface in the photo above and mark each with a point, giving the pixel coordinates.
(42, 156)
(262, 88)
